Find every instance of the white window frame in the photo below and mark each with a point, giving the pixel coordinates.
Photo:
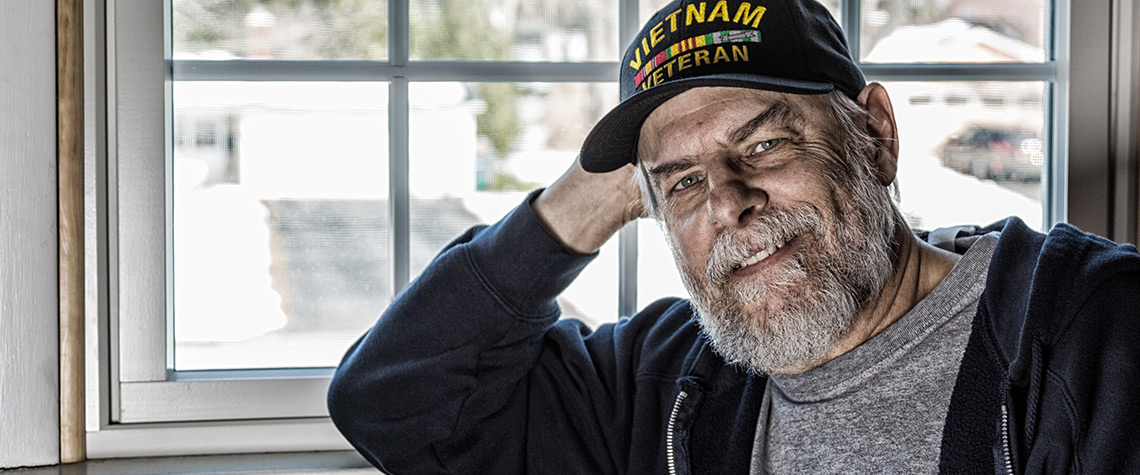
(137, 406)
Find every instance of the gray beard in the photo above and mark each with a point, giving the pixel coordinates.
(788, 323)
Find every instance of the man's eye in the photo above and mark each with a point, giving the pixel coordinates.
(688, 181)
(766, 145)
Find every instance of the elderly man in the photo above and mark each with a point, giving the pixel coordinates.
(822, 336)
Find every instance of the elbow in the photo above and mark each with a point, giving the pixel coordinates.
(360, 413)
(342, 401)
(351, 400)
(347, 405)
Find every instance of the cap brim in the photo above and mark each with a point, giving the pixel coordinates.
(612, 143)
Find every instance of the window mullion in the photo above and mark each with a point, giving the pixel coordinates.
(849, 20)
(961, 71)
(628, 25)
(1056, 179)
(1053, 177)
(398, 205)
(399, 195)
(399, 32)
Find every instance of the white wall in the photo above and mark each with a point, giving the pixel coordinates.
(29, 375)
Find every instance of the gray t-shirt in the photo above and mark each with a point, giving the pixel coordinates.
(878, 408)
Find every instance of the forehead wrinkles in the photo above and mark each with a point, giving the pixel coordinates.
(676, 114)
(744, 110)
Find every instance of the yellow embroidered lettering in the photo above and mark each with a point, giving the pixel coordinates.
(657, 76)
(673, 20)
(721, 10)
(683, 62)
(721, 55)
(648, 82)
(635, 63)
(657, 34)
(669, 69)
(739, 53)
(749, 16)
(691, 13)
(701, 58)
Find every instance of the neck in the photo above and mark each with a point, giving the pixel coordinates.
(919, 269)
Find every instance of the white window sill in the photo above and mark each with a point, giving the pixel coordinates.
(302, 463)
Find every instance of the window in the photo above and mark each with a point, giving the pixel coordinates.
(278, 170)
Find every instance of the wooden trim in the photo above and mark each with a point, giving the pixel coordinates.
(69, 119)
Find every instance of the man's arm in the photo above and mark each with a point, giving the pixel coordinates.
(583, 210)
(438, 385)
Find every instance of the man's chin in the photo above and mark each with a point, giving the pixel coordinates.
(765, 337)
(766, 305)
(765, 362)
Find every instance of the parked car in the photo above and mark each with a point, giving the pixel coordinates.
(994, 152)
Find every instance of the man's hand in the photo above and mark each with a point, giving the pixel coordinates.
(582, 209)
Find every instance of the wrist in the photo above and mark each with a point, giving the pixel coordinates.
(583, 210)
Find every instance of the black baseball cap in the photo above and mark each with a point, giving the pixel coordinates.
(791, 46)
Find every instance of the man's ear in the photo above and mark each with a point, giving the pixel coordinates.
(881, 126)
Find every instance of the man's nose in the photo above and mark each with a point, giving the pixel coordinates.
(732, 202)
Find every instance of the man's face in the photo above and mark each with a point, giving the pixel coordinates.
(780, 229)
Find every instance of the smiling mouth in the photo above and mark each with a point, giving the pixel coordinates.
(760, 256)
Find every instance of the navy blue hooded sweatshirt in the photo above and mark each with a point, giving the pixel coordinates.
(470, 371)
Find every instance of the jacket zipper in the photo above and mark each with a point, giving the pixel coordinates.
(1006, 450)
(669, 434)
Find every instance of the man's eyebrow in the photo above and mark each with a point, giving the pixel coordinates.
(660, 170)
(777, 113)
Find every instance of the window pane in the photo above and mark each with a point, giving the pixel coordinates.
(293, 30)
(477, 149)
(657, 274)
(646, 9)
(926, 31)
(970, 152)
(526, 30)
(280, 221)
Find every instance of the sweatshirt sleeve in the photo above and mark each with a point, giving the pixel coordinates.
(454, 349)
(1094, 358)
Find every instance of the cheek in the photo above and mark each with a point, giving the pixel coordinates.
(804, 185)
(794, 182)
(691, 242)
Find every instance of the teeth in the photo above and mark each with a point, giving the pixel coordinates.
(763, 254)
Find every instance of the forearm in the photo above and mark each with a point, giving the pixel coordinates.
(583, 210)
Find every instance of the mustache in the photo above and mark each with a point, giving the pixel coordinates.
(774, 226)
